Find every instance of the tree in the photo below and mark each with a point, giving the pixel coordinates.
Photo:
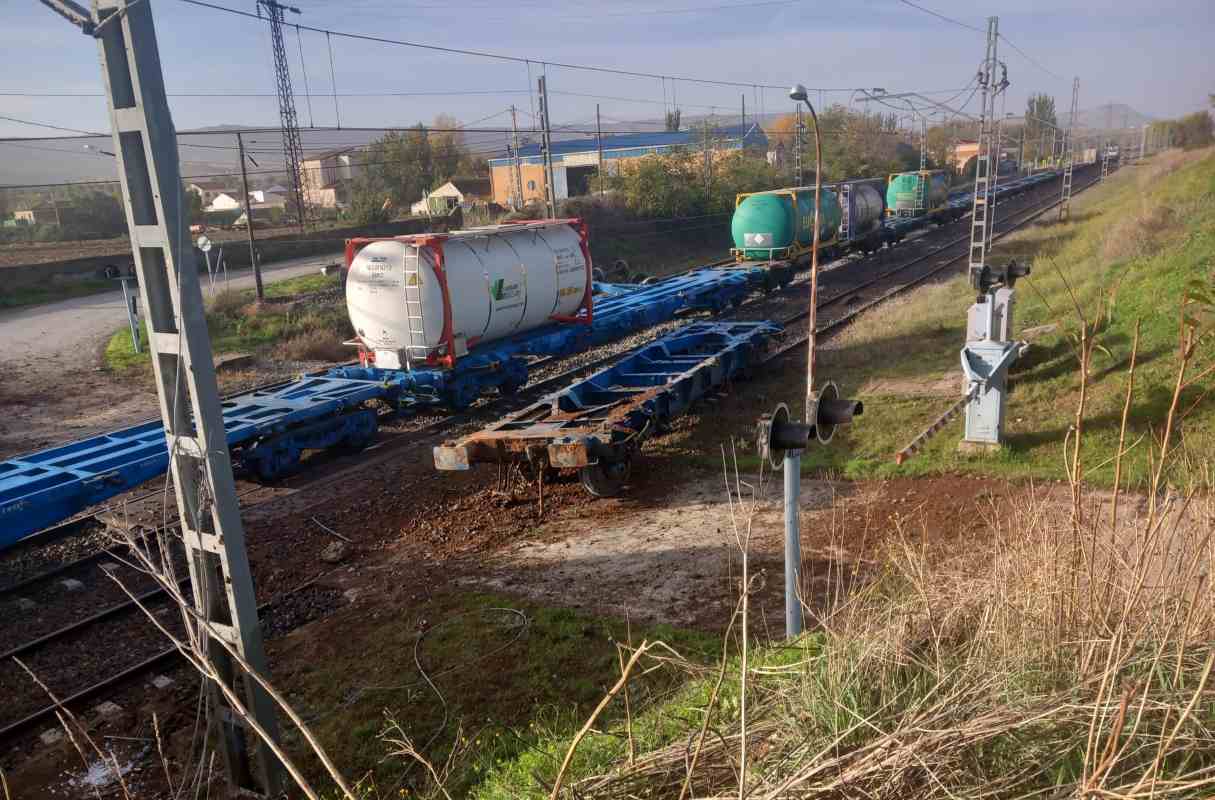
(446, 147)
(672, 121)
(1194, 130)
(1040, 125)
(194, 207)
(370, 200)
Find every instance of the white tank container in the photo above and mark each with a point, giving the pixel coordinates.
(428, 299)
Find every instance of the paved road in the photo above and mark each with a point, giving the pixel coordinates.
(66, 334)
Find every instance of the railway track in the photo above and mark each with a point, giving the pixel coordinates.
(97, 630)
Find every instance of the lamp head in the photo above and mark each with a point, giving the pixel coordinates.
(798, 93)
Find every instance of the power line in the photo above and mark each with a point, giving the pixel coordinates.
(940, 16)
(969, 27)
(53, 127)
(16, 93)
(485, 54)
(1028, 58)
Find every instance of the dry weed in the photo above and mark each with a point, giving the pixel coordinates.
(315, 344)
(1068, 653)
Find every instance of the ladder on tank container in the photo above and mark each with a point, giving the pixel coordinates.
(845, 233)
(920, 180)
(414, 321)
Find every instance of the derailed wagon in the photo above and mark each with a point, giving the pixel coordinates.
(598, 424)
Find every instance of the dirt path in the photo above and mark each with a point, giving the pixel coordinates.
(677, 560)
(53, 389)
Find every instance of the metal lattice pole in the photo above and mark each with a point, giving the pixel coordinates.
(293, 151)
(516, 167)
(145, 144)
(1069, 153)
(980, 214)
(799, 135)
(550, 188)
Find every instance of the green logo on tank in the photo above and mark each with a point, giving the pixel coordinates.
(500, 290)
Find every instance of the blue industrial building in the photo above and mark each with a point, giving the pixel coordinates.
(575, 160)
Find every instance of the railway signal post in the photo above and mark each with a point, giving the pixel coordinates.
(146, 146)
(989, 351)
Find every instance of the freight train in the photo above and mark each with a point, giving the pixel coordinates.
(776, 228)
(924, 193)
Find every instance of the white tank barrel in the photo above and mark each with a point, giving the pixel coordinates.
(429, 298)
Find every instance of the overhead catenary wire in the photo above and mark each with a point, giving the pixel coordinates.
(487, 54)
(969, 27)
(337, 113)
(299, 38)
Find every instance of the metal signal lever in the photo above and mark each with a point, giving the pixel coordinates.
(781, 439)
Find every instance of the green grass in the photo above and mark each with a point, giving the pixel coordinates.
(505, 688)
(237, 326)
(1134, 241)
(37, 295)
(302, 284)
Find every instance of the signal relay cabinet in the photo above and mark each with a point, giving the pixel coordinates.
(986, 359)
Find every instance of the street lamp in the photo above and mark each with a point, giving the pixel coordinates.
(99, 150)
(780, 438)
(798, 94)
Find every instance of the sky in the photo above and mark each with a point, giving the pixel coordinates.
(1153, 56)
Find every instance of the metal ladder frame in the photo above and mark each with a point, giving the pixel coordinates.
(1068, 155)
(846, 207)
(415, 354)
(980, 217)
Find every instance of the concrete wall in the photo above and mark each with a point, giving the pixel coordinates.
(236, 253)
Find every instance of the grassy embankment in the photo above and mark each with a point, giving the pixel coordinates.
(507, 676)
(291, 327)
(1126, 255)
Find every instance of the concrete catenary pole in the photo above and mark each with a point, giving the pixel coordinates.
(145, 144)
(258, 288)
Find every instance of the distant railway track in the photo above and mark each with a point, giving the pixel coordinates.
(139, 663)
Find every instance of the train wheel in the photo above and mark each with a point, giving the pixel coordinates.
(605, 479)
(365, 429)
(275, 465)
(461, 396)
